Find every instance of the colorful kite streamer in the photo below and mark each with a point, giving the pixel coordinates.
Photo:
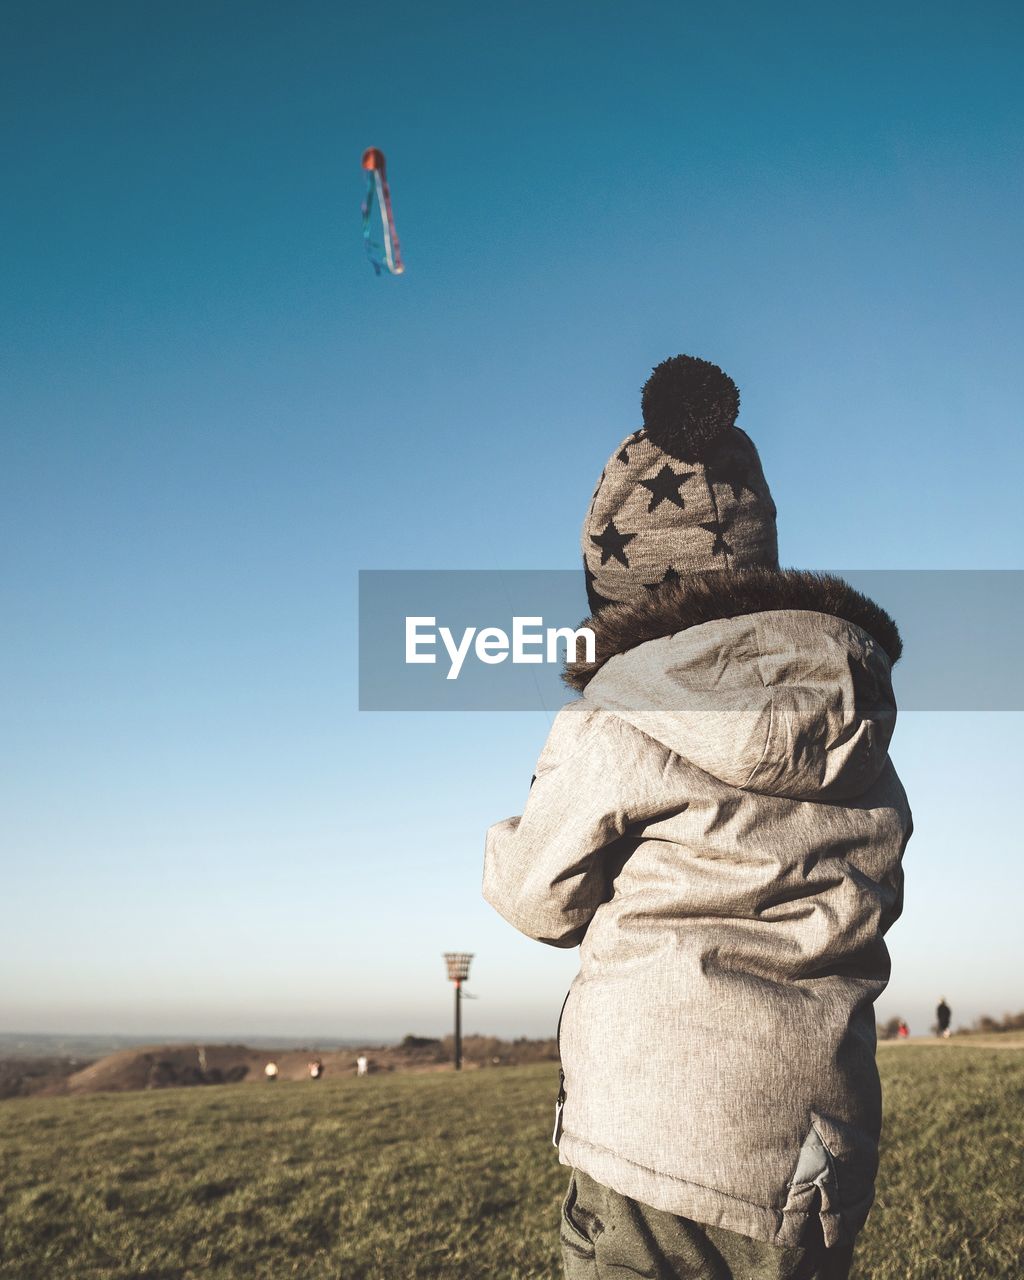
(384, 255)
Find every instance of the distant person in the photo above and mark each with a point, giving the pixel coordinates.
(316, 1069)
(718, 820)
(903, 1031)
(270, 1071)
(943, 1016)
(362, 1066)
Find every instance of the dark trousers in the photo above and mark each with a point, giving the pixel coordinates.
(606, 1236)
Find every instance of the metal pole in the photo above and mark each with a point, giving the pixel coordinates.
(458, 1025)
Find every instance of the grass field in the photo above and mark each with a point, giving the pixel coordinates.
(399, 1176)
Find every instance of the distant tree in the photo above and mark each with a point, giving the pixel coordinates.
(890, 1029)
(414, 1044)
(1010, 1022)
(483, 1050)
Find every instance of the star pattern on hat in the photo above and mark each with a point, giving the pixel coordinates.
(665, 486)
(612, 543)
(623, 454)
(719, 528)
(733, 469)
(670, 576)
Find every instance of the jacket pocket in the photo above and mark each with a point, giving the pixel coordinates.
(573, 1237)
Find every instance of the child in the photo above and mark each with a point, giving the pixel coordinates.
(717, 824)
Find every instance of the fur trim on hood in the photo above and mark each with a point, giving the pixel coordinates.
(706, 597)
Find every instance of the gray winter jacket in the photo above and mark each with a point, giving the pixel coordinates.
(717, 823)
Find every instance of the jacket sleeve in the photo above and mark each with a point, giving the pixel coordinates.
(544, 871)
(893, 908)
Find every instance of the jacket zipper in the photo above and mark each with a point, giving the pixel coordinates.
(560, 1100)
(559, 1107)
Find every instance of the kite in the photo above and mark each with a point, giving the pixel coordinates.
(384, 254)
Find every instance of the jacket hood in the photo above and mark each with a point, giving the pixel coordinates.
(773, 681)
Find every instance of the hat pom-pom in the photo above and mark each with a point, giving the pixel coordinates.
(688, 404)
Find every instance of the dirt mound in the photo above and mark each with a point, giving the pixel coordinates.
(175, 1065)
(166, 1066)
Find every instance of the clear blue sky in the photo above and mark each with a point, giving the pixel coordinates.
(214, 415)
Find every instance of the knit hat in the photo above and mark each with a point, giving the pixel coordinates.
(684, 494)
